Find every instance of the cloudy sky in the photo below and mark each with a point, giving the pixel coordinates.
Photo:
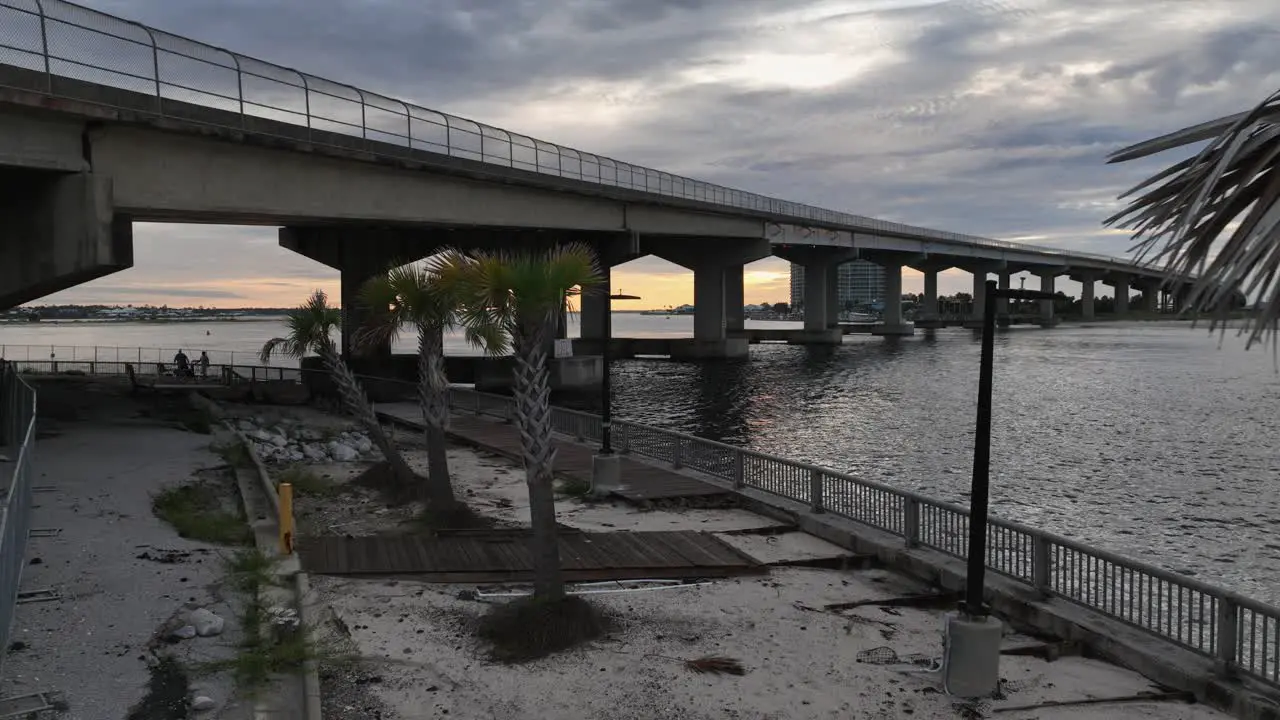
(989, 117)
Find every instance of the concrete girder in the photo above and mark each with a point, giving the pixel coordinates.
(705, 252)
(815, 254)
(892, 259)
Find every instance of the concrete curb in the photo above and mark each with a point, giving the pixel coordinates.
(301, 586)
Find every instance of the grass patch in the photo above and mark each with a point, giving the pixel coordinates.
(234, 453)
(306, 481)
(274, 641)
(574, 487)
(530, 627)
(197, 511)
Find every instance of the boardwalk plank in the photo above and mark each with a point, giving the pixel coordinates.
(506, 556)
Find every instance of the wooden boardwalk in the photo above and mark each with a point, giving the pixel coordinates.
(504, 556)
(641, 482)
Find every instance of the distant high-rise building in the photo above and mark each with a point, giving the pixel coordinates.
(859, 282)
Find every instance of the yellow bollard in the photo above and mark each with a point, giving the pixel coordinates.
(286, 518)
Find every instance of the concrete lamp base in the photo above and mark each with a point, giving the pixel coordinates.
(971, 657)
(606, 475)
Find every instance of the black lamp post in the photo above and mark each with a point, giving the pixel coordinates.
(973, 604)
(606, 404)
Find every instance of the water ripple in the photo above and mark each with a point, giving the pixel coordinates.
(1146, 439)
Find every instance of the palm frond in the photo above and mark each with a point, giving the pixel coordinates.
(310, 325)
(715, 665)
(1185, 215)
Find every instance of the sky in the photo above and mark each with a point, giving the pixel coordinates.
(987, 117)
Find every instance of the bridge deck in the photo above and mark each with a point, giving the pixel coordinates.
(641, 482)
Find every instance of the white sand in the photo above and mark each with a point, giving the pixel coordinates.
(801, 661)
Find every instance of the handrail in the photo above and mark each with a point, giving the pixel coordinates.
(1212, 621)
(17, 436)
(667, 184)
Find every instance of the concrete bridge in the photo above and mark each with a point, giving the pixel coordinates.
(104, 122)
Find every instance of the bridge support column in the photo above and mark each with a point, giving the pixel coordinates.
(1088, 286)
(1150, 295)
(816, 296)
(893, 324)
(1046, 306)
(735, 316)
(1002, 304)
(979, 296)
(833, 295)
(57, 231)
(1121, 282)
(930, 309)
(593, 306)
(357, 270)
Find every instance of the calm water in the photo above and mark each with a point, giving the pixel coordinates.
(1153, 440)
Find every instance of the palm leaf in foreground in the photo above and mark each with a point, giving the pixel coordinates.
(715, 665)
(1182, 216)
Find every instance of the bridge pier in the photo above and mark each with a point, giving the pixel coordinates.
(1120, 281)
(1046, 306)
(57, 230)
(717, 284)
(735, 315)
(1150, 288)
(821, 291)
(930, 309)
(893, 323)
(1088, 281)
(980, 273)
(1002, 304)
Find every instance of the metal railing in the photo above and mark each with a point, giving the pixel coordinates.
(60, 40)
(139, 356)
(1242, 635)
(17, 442)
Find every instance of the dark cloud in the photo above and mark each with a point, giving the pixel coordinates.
(990, 117)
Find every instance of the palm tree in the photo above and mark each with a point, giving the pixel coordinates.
(310, 331)
(521, 295)
(410, 295)
(1186, 209)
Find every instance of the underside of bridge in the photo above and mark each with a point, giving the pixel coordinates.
(57, 230)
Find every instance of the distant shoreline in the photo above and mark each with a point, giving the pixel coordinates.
(140, 321)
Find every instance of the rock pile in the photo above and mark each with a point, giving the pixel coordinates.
(290, 441)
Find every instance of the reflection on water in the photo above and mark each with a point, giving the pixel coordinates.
(1145, 438)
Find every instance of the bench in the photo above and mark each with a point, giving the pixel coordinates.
(139, 383)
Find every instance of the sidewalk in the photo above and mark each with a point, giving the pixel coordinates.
(108, 574)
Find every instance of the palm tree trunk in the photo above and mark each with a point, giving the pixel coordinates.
(533, 415)
(433, 398)
(357, 404)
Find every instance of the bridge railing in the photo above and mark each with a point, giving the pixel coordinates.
(1242, 635)
(62, 40)
(17, 443)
